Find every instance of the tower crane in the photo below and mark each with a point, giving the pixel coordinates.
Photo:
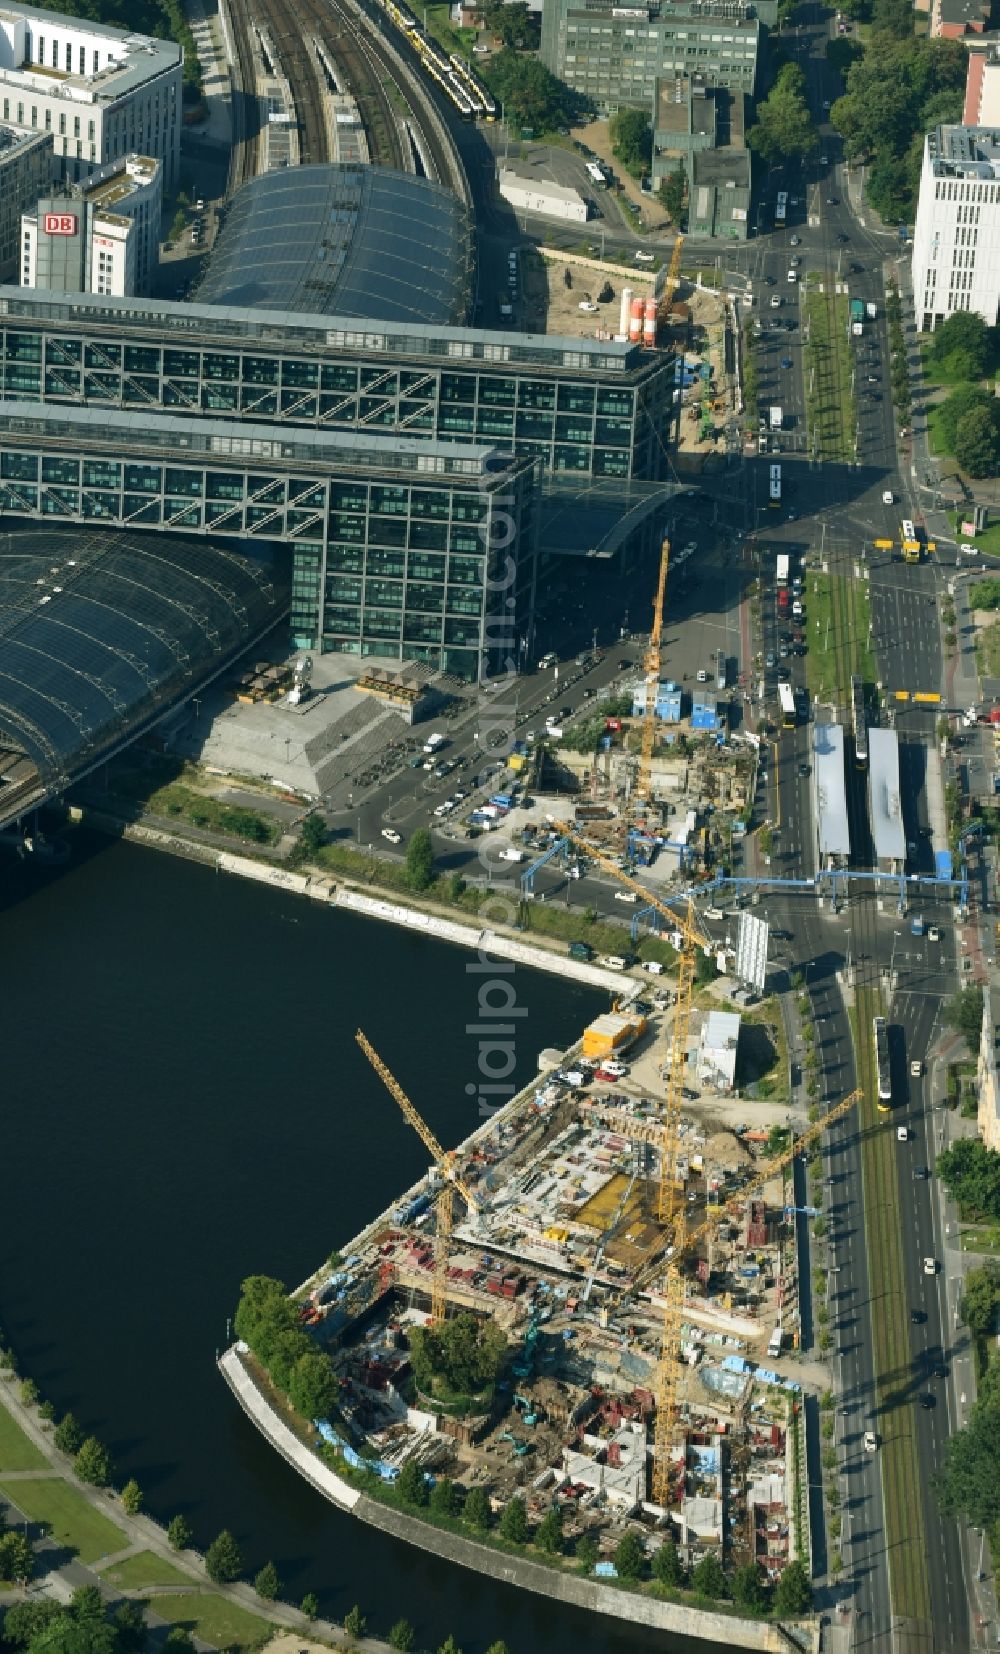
(644, 784)
(444, 1160)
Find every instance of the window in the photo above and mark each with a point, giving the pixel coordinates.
(83, 60)
(69, 58)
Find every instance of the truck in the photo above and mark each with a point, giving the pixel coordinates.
(509, 853)
(581, 950)
(871, 310)
(434, 743)
(777, 417)
(917, 925)
(781, 568)
(857, 317)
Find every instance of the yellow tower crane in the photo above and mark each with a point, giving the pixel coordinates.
(672, 278)
(644, 783)
(444, 1160)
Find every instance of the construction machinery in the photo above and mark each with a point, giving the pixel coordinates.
(671, 280)
(444, 1160)
(644, 783)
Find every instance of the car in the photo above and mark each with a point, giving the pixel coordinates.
(826, 103)
(585, 304)
(902, 1134)
(887, 498)
(804, 769)
(775, 301)
(833, 200)
(702, 675)
(871, 1442)
(626, 896)
(844, 239)
(784, 674)
(930, 1266)
(589, 693)
(793, 275)
(624, 664)
(921, 1172)
(934, 933)
(391, 834)
(199, 205)
(548, 660)
(927, 1401)
(824, 160)
(642, 257)
(939, 1370)
(969, 551)
(916, 1068)
(917, 1317)
(442, 809)
(782, 651)
(799, 649)
(617, 1070)
(769, 661)
(786, 362)
(690, 1094)
(797, 609)
(796, 241)
(873, 379)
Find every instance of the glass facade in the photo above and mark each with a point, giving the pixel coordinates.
(616, 55)
(400, 549)
(598, 410)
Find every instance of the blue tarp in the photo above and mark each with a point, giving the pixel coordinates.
(388, 1472)
(605, 1570)
(942, 863)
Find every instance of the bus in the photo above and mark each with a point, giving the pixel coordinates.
(786, 701)
(781, 208)
(774, 494)
(596, 176)
(881, 1037)
(910, 540)
(781, 569)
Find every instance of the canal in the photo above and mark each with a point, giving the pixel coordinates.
(186, 1106)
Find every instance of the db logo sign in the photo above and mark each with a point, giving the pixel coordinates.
(60, 223)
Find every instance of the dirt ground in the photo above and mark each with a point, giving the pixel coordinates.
(597, 139)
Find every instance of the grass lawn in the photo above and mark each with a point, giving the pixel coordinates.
(146, 1568)
(981, 1237)
(69, 1518)
(987, 539)
(829, 402)
(166, 787)
(771, 1085)
(988, 650)
(214, 1619)
(16, 1451)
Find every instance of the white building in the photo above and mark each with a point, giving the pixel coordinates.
(539, 195)
(102, 93)
(717, 1048)
(99, 237)
(956, 238)
(27, 169)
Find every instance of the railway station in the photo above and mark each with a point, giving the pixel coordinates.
(833, 834)
(885, 800)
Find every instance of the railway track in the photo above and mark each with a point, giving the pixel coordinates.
(369, 75)
(289, 32)
(244, 103)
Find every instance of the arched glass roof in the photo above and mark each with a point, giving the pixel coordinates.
(345, 241)
(98, 632)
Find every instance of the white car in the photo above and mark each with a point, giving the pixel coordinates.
(887, 496)
(391, 834)
(442, 809)
(793, 275)
(644, 258)
(617, 1070)
(916, 1070)
(702, 675)
(930, 1266)
(775, 301)
(871, 1442)
(933, 934)
(585, 304)
(626, 896)
(902, 1134)
(969, 551)
(797, 609)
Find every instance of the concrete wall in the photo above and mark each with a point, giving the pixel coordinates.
(513, 1570)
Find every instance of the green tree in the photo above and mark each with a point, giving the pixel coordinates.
(223, 1559)
(499, 1647)
(514, 1523)
(47, 1411)
(132, 1497)
(793, 1592)
(511, 24)
(842, 52)
(266, 1582)
(179, 1640)
(466, 1354)
(667, 1565)
(964, 1012)
(632, 140)
(586, 1551)
(24, 1621)
(28, 1390)
(310, 1605)
(707, 1577)
(971, 1174)
(673, 193)
(630, 1558)
(980, 1298)
(402, 1636)
(750, 1587)
(962, 401)
(977, 443)
(896, 91)
(87, 1603)
(549, 1532)
(962, 344)
(449, 1646)
(531, 96)
(312, 834)
(93, 1463)
(17, 1557)
(313, 1389)
(420, 860)
(129, 1621)
(179, 1534)
(784, 129)
(68, 1436)
(443, 1499)
(67, 1634)
(355, 1622)
(476, 1511)
(411, 1484)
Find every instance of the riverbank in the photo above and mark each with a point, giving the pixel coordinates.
(526, 1574)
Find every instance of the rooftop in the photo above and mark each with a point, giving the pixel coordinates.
(11, 139)
(830, 790)
(964, 151)
(884, 795)
(276, 330)
(346, 241)
(134, 58)
(118, 181)
(684, 105)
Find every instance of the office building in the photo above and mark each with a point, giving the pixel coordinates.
(982, 88)
(956, 238)
(616, 54)
(702, 128)
(26, 172)
(102, 93)
(100, 236)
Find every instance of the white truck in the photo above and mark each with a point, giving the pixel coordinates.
(509, 853)
(777, 417)
(434, 743)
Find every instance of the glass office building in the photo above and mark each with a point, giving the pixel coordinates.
(585, 406)
(414, 549)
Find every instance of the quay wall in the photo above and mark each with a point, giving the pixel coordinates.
(679, 1618)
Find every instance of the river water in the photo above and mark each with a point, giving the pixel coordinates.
(185, 1105)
